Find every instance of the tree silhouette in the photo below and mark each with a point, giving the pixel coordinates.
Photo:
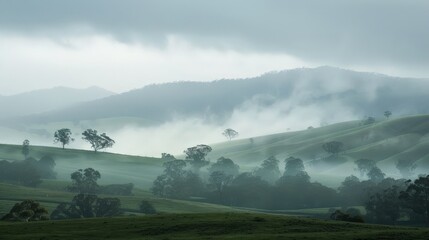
(26, 148)
(230, 133)
(196, 156)
(63, 136)
(387, 114)
(97, 141)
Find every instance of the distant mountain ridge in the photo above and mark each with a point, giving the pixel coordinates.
(362, 93)
(44, 100)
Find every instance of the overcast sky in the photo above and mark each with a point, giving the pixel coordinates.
(121, 45)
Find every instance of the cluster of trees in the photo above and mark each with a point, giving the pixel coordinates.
(27, 211)
(97, 141)
(28, 172)
(265, 187)
(87, 206)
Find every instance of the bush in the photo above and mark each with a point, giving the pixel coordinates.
(147, 208)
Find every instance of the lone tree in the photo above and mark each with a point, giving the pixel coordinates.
(97, 141)
(196, 156)
(230, 133)
(26, 148)
(333, 147)
(63, 136)
(387, 114)
(85, 181)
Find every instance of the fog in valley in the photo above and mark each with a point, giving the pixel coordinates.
(315, 109)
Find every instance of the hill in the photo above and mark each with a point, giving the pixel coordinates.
(205, 226)
(44, 100)
(385, 141)
(325, 87)
(114, 168)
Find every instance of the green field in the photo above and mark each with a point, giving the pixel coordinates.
(205, 226)
(49, 197)
(114, 168)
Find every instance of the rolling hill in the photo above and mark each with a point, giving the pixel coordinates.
(385, 142)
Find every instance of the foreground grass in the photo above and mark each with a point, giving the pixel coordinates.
(205, 226)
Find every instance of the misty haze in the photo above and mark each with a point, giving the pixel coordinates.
(214, 119)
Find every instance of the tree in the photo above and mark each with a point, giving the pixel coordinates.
(176, 182)
(230, 133)
(368, 121)
(293, 167)
(167, 156)
(376, 175)
(387, 114)
(85, 181)
(63, 136)
(26, 211)
(269, 170)
(97, 141)
(406, 167)
(196, 156)
(384, 207)
(333, 147)
(87, 206)
(416, 196)
(219, 180)
(26, 148)
(364, 165)
(224, 165)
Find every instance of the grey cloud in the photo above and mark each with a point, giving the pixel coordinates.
(386, 32)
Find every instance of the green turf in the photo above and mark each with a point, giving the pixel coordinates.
(114, 168)
(50, 198)
(205, 226)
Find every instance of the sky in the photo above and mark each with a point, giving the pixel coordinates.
(122, 45)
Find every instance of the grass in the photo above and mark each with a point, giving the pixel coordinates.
(50, 198)
(205, 226)
(114, 168)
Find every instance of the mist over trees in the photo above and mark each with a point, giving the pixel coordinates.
(28, 172)
(196, 156)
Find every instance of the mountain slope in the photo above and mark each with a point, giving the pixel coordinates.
(47, 100)
(324, 87)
